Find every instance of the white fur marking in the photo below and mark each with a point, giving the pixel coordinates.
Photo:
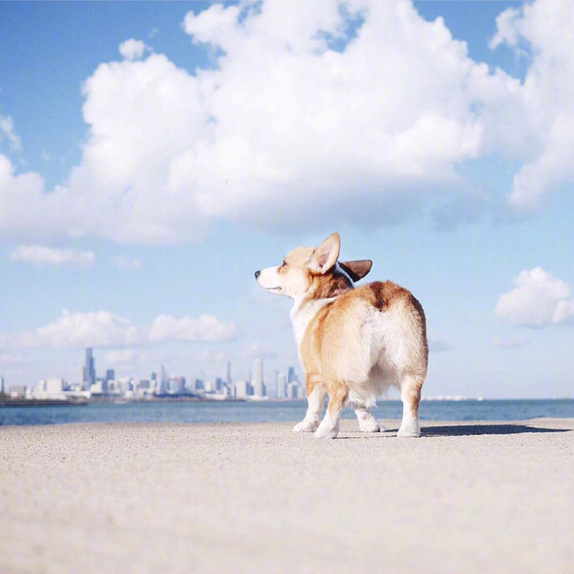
(302, 314)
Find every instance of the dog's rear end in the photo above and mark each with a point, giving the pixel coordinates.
(366, 340)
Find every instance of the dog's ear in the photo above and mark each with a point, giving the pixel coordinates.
(326, 255)
(357, 269)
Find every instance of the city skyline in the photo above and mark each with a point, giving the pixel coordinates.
(162, 383)
(154, 155)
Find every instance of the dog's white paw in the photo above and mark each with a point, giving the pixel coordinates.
(326, 431)
(306, 426)
(367, 422)
(371, 426)
(326, 434)
(409, 431)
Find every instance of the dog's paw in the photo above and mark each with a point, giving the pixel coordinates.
(412, 431)
(371, 426)
(325, 431)
(306, 426)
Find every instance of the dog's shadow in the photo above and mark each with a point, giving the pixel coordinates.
(474, 429)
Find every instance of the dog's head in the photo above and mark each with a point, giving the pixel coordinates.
(313, 273)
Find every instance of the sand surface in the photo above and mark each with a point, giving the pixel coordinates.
(257, 498)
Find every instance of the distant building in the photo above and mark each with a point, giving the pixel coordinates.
(281, 385)
(97, 388)
(3, 387)
(291, 376)
(176, 385)
(18, 390)
(55, 385)
(294, 391)
(228, 380)
(161, 384)
(242, 389)
(89, 370)
(258, 384)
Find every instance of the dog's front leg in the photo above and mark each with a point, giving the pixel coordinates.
(329, 427)
(315, 399)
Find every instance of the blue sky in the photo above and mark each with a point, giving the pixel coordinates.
(153, 155)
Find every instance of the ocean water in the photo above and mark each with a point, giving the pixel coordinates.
(276, 411)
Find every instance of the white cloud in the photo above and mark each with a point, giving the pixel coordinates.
(42, 255)
(258, 351)
(132, 49)
(143, 115)
(361, 110)
(303, 129)
(205, 328)
(545, 29)
(87, 329)
(564, 312)
(539, 300)
(21, 200)
(103, 329)
(7, 131)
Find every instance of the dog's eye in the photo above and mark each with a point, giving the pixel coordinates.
(284, 264)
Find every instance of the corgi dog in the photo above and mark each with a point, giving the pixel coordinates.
(354, 342)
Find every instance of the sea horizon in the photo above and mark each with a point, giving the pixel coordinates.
(274, 410)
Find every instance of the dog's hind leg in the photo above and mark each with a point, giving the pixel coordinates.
(411, 396)
(329, 427)
(315, 399)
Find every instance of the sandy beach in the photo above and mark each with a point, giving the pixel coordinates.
(257, 498)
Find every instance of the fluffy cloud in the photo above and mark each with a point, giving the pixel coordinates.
(132, 49)
(538, 300)
(103, 329)
(545, 29)
(205, 328)
(360, 110)
(7, 132)
(87, 329)
(143, 115)
(304, 128)
(42, 255)
(21, 199)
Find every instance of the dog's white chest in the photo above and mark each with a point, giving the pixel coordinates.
(303, 313)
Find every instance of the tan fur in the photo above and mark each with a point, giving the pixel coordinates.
(353, 342)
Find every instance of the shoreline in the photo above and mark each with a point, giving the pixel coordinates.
(469, 497)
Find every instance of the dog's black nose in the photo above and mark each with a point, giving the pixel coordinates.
(257, 273)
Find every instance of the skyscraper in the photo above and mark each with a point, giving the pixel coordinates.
(228, 381)
(281, 385)
(258, 385)
(89, 370)
(161, 383)
(110, 376)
